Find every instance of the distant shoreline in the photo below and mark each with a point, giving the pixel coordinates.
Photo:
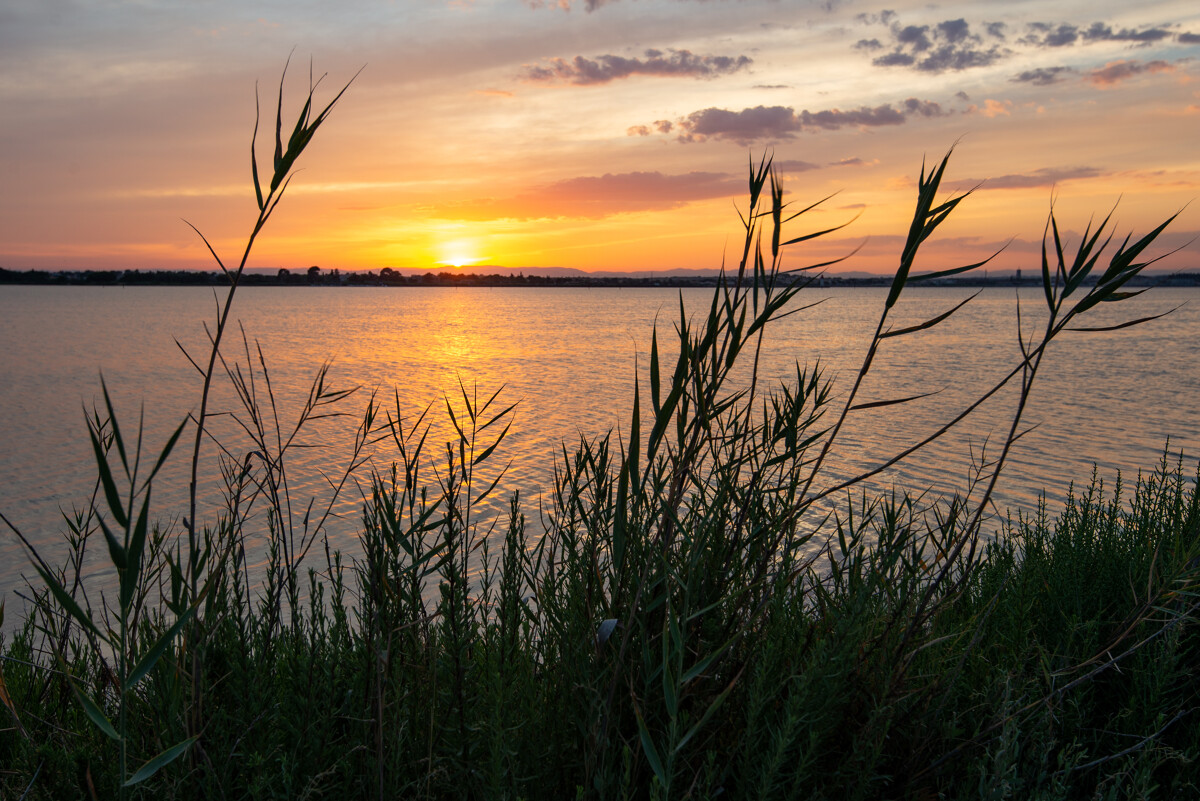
(394, 279)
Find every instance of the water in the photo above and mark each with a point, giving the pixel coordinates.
(567, 356)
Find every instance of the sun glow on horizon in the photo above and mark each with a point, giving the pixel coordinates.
(460, 253)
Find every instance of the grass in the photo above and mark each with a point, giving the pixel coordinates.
(701, 610)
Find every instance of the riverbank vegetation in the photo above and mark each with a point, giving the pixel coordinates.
(700, 609)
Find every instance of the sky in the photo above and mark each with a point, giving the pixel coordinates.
(593, 134)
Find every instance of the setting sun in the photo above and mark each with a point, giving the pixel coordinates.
(459, 253)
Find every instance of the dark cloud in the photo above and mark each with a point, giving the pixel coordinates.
(896, 59)
(1188, 38)
(1045, 177)
(745, 126)
(1116, 71)
(954, 30)
(1103, 33)
(833, 119)
(1044, 34)
(954, 45)
(1043, 76)
(602, 69)
(924, 108)
(782, 122)
(948, 45)
(594, 197)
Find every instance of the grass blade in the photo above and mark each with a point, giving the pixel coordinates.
(161, 761)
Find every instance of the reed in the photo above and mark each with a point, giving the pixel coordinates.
(701, 609)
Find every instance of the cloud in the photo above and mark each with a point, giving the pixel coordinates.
(924, 108)
(882, 18)
(793, 166)
(1044, 177)
(603, 69)
(1104, 33)
(833, 119)
(950, 45)
(1114, 72)
(493, 92)
(1043, 76)
(594, 197)
(566, 5)
(1046, 34)
(992, 108)
(745, 126)
(956, 45)
(783, 122)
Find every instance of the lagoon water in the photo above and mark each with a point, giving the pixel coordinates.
(567, 356)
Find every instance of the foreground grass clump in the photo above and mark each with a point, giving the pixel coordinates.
(697, 612)
(1062, 667)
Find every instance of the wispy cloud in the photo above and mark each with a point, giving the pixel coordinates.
(582, 71)
(1044, 177)
(1114, 72)
(794, 166)
(1043, 76)
(1047, 34)
(594, 197)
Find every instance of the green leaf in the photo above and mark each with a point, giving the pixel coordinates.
(648, 747)
(106, 480)
(488, 451)
(67, 602)
(116, 430)
(161, 761)
(166, 451)
(1126, 324)
(151, 657)
(115, 550)
(894, 401)
(253, 158)
(137, 543)
(1047, 283)
(720, 699)
(94, 713)
(928, 323)
(654, 377)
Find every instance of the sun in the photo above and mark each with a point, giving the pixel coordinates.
(459, 253)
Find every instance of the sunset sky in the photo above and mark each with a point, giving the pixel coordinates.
(596, 134)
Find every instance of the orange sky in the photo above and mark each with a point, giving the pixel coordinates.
(600, 135)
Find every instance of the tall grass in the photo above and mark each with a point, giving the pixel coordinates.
(700, 610)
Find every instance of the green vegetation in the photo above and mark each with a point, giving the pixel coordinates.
(702, 611)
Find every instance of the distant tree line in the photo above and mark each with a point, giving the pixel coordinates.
(315, 276)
